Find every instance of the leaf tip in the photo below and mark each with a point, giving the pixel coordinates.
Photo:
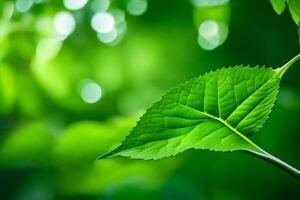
(108, 154)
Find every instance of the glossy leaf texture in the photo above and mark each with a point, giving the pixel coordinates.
(217, 111)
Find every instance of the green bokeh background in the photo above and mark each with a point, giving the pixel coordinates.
(50, 137)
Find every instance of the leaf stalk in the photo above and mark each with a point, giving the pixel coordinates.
(275, 161)
(285, 67)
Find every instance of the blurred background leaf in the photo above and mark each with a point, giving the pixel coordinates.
(28, 146)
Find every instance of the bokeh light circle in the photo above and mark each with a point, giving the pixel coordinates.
(103, 22)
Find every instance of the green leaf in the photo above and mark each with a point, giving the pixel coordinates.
(217, 111)
(294, 7)
(28, 145)
(7, 89)
(109, 174)
(278, 5)
(299, 33)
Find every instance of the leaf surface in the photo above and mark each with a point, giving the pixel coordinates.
(294, 7)
(217, 111)
(278, 5)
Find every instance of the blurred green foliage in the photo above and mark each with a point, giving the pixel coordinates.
(69, 94)
(294, 9)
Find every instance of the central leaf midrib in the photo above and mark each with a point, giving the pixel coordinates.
(225, 124)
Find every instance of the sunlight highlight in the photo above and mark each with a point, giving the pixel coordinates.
(137, 7)
(103, 22)
(108, 37)
(100, 5)
(91, 92)
(64, 24)
(211, 34)
(23, 5)
(209, 3)
(75, 4)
